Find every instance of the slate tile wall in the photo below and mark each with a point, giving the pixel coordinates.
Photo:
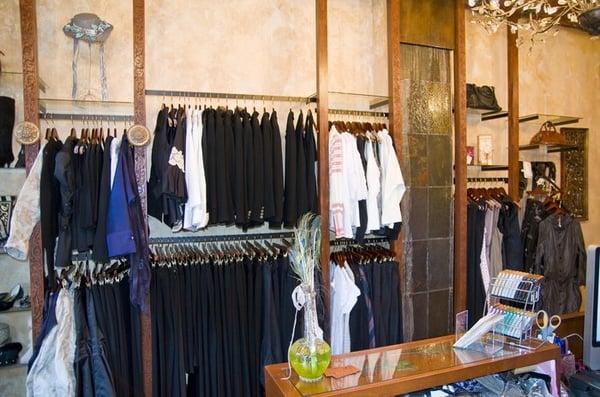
(427, 205)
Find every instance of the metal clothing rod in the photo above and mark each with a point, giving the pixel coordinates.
(366, 113)
(220, 238)
(354, 242)
(224, 95)
(84, 117)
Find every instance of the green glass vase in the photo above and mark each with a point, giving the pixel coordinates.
(310, 356)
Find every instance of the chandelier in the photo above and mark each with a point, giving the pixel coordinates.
(537, 17)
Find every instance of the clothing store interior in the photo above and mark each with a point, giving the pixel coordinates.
(299, 198)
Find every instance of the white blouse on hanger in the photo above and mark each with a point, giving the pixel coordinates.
(355, 184)
(392, 182)
(374, 189)
(344, 295)
(336, 183)
(195, 215)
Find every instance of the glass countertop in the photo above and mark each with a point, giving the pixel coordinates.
(380, 365)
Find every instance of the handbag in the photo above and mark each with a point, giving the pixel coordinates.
(547, 135)
(483, 97)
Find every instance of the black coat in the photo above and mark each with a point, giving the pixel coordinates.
(100, 252)
(310, 150)
(160, 159)
(277, 218)
(301, 191)
(65, 174)
(239, 187)
(268, 192)
(290, 214)
(49, 201)
(258, 205)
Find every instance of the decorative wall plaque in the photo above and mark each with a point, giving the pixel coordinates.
(27, 133)
(573, 173)
(138, 135)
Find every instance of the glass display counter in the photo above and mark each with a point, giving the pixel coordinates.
(410, 367)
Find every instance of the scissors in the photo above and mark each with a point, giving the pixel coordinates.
(547, 324)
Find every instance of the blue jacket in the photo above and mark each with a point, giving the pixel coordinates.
(119, 233)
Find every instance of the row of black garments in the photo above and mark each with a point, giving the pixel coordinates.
(222, 166)
(89, 343)
(217, 322)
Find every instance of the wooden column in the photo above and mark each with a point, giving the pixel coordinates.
(395, 110)
(323, 127)
(139, 108)
(460, 161)
(27, 9)
(513, 114)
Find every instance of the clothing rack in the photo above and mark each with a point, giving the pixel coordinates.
(219, 238)
(83, 256)
(224, 95)
(488, 179)
(366, 113)
(85, 117)
(368, 240)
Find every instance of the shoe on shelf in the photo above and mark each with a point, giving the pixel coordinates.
(9, 353)
(7, 300)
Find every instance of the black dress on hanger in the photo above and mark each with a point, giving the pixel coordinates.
(210, 163)
(258, 205)
(290, 214)
(160, 159)
(277, 218)
(301, 191)
(248, 165)
(310, 149)
(230, 166)
(239, 188)
(268, 192)
(49, 203)
(65, 173)
(222, 183)
(100, 251)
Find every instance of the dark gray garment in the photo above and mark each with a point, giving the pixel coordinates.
(64, 173)
(561, 258)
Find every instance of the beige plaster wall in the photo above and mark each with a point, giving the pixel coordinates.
(264, 47)
(561, 76)
(55, 49)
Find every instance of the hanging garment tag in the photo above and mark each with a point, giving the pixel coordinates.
(340, 372)
(527, 170)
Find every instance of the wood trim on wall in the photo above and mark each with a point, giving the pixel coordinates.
(395, 114)
(323, 127)
(139, 108)
(460, 161)
(27, 10)
(513, 114)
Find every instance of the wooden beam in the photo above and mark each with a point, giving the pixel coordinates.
(27, 10)
(513, 114)
(323, 127)
(460, 161)
(139, 109)
(395, 117)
